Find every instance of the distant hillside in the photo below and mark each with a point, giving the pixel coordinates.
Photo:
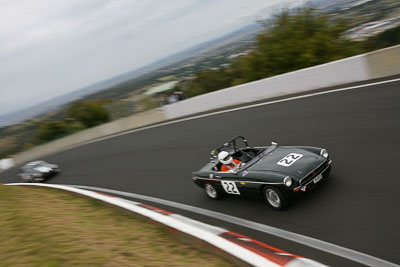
(54, 103)
(331, 4)
(241, 33)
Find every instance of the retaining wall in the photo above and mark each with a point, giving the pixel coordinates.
(136, 121)
(378, 64)
(385, 62)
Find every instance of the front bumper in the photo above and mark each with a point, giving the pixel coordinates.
(314, 181)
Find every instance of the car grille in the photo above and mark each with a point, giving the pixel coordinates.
(314, 173)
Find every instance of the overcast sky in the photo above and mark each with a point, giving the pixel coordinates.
(51, 47)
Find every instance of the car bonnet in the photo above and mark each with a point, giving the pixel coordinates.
(294, 162)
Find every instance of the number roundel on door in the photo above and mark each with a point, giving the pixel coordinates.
(230, 187)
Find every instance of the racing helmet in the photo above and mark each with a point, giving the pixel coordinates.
(225, 158)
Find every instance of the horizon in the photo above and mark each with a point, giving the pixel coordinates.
(99, 83)
(28, 60)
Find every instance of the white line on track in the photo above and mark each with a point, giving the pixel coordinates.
(298, 238)
(230, 110)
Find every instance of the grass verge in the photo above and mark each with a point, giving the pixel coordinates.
(47, 227)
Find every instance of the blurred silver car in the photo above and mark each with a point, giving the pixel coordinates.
(38, 171)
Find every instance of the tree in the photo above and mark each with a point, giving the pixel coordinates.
(298, 40)
(209, 80)
(52, 130)
(292, 40)
(387, 38)
(89, 113)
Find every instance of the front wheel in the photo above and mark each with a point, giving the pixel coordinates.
(275, 198)
(211, 191)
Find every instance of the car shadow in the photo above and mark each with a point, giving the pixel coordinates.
(309, 197)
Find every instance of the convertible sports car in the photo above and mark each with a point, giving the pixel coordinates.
(38, 171)
(277, 172)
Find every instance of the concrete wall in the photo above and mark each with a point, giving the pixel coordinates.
(136, 121)
(6, 164)
(377, 64)
(384, 62)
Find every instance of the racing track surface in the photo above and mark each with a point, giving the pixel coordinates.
(358, 207)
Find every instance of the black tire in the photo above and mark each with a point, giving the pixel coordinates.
(212, 192)
(275, 198)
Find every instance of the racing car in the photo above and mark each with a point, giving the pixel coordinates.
(38, 171)
(278, 173)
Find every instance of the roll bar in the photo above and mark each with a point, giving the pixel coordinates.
(230, 143)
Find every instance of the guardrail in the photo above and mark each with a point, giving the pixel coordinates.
(377, 64)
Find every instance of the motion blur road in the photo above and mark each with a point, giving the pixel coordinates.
(357, 208)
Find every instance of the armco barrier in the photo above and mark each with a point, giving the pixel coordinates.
(241, 247)
(378, 64)
(373, 65)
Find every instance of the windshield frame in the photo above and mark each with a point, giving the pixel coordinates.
(257, 158)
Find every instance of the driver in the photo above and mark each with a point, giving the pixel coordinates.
(228, 163)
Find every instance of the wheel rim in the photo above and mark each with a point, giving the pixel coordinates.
(210, 190)
(273, 198)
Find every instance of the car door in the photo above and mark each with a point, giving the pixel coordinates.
(229, 182)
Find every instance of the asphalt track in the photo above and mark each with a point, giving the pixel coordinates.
(357, 208)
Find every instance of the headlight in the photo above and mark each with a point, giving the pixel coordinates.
(288, 181)
(324, 153)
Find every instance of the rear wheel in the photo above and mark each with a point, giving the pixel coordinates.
(211, 191)
(275, 198)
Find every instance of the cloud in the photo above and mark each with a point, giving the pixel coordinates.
(51, 47)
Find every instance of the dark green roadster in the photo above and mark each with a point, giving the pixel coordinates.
(277, 172)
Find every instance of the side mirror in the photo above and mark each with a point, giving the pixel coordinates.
(212, 154)
(274, 144)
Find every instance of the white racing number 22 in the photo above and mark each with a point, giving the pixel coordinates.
(289, 159)
(230, 187)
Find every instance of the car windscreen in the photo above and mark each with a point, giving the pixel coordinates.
(42, 164)
(30, 166)
(26, 168)
(258, 158)
(33, 165)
